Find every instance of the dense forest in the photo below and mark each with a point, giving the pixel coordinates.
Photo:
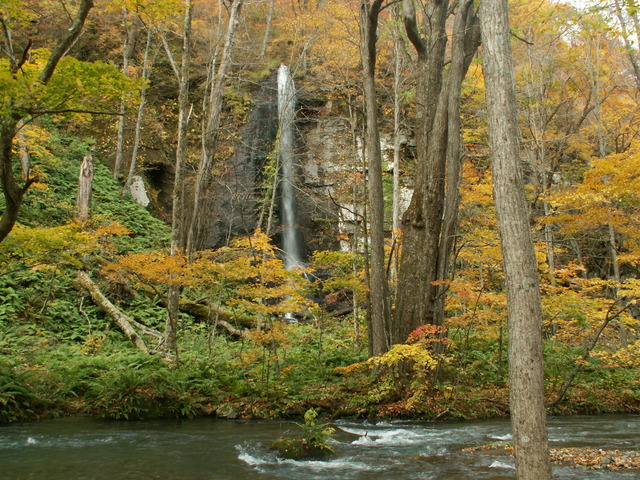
(150, 265)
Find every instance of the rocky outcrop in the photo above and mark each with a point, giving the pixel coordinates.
(238, 190)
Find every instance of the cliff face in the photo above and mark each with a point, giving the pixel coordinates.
(323, 164)
(237, 192)
(328, 161)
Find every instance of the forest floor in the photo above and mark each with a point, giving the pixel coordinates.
(47, 374)
(43, 376)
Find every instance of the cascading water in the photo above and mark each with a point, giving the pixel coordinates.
(286, 116)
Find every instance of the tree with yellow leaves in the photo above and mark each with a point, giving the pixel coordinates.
(602, 209)
(38, 82)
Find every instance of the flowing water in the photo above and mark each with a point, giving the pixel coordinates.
(83, 448)
(286, 118)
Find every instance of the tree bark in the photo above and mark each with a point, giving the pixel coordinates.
(12, 192)
(207, 310)
(267, 31)
(122, 320)
(132, 30)
(212, 130)
(85, 185)
(397, 82)
(629, 44)
(378, 288)
(23, 151)
(526, 383)
(423, 237)
(67, 42)
(465, 18)
(178, 217)
(146, 74)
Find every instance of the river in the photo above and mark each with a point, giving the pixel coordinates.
(81, 448)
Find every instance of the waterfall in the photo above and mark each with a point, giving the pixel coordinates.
(286, 116)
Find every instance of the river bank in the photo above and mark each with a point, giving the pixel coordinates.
(45, 374)
(156, 390)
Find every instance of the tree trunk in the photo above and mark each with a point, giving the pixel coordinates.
(23, 151)
(120, 319)
(67, 42)
(595, 73)
(212, 130)
(271, 206)
(435, 101)
(12, 192)
(465, 18)
(177, 216)
(355, 238)
(378, 288)
(146, 74)
(85, 184)
(397, 82)
(397, 144)
(526, 385)
(629, 43)
(267, 31)
(132, 30)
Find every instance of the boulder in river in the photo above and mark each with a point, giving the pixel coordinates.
(227, 411)
(300, 449)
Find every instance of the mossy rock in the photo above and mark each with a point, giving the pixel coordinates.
(227, 411)
(299, 449)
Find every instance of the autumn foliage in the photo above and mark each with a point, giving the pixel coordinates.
(272, 341)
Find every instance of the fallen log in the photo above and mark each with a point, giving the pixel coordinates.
(210, 311)
(205, 310)
(230, 328)
(341, 311)
(224, 318)
(123, 321)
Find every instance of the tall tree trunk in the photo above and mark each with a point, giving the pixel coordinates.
(435, 102)
(465, 18)
(526, 385)
(397, 144)
(267, 31)
(629, 43)
(212, 130)
(538, 121)
(23, 151)
(594, 74)
(132, 30)
(177, 216)
(355, 237)
(13, 193)
(397, 82)
(146, 74)
(379, 288)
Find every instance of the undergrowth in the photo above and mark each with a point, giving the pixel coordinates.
(60, 355)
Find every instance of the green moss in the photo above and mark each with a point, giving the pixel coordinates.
(299, 449)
